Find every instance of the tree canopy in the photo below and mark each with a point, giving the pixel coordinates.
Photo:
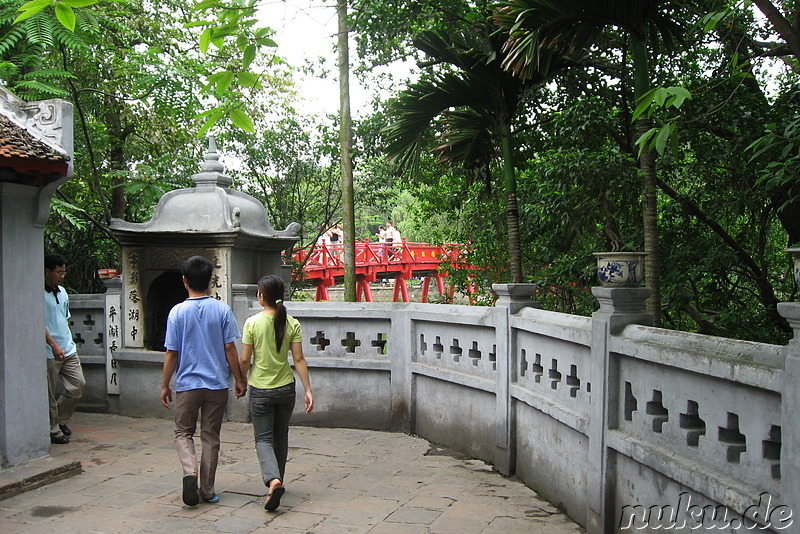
(720, 110)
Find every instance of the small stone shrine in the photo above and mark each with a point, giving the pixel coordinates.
(228, 227)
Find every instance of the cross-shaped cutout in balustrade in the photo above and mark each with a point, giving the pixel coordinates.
(771, 450)
(630, 404)
(320, 340)
(573, 382)
(438, 348)
(78, 339)
(350, 342)
(380, 342)
(422, 345)
(474, 354)
(554, 374)
(537, 368)
(655, 408)
(735, 441)
(692, 424)
(88, 321)
(455, 350)
(99, 339)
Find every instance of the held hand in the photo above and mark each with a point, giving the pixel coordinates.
(241, 389)
(58, 352)
(166, 396)
(309, 402)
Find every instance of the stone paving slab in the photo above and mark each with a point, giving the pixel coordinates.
(338, 481)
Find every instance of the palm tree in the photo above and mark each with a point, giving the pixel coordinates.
(472, 103)
(534, 26)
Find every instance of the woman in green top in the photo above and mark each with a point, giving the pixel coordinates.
(267, 338)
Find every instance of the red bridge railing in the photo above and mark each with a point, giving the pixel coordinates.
(324, 264)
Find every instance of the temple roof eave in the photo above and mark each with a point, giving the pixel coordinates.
(237, 236)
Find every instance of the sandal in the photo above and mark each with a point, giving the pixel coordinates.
(274, 498)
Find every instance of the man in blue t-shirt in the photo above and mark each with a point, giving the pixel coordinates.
(63, 365)
(200, 352)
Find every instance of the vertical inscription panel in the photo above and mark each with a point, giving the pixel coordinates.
(114, 326)
(219, 286)
(132, 298)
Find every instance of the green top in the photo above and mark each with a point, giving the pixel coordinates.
(270, 368)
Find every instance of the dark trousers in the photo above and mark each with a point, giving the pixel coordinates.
(271, 410)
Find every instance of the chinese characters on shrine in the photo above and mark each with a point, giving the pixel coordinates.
(113, 324)
(132, 292)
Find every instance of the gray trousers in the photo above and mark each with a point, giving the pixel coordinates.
(69, 374)
(271, 410)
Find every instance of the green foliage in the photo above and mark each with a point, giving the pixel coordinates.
(653, 101)
(232, 29)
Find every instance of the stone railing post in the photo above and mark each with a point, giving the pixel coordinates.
(401, 353)
(243, 295)
(619, 307)
(112, 308)
(511, 298)
(790, 407)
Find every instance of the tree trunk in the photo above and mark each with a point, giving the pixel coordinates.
(781, 25)
(512, 210)
(647, 164)
(346, 143)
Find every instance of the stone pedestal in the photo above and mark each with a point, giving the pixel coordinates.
(790, 408)
(511, 298)
(619, 307)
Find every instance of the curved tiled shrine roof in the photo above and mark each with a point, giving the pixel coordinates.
(210, 208)
(25, 156)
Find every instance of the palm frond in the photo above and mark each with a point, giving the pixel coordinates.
(39, 29)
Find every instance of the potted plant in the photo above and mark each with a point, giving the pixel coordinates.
(620, 269)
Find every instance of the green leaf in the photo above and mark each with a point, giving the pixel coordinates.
(266, 41)
(645, 139)
(213, 116)
(78, 3)
(225, 81)
(660, 96)
(31, 8)
(240, 119)
(197, 23)
(662, 138)
(248, 79)
(248, 56)
(680, 94)
(65, 16)
(205, 5)
(205, 39)
(644, 104)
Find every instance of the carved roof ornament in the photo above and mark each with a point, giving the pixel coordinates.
(212, 170)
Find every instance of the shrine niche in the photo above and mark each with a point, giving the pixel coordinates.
(229, 228)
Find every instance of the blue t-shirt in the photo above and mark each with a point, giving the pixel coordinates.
(198, 329)
(56, 319)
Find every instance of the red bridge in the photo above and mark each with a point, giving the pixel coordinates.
(324, 266)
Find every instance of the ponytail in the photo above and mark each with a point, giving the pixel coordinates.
(272, 289)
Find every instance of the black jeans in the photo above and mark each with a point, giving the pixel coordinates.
(271, 410)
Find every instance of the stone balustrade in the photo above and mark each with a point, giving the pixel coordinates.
(625, 426)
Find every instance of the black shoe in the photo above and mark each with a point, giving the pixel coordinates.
(65, 430)
(190, 495)
(59, 438)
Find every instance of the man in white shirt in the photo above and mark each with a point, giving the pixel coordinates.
(63, 364)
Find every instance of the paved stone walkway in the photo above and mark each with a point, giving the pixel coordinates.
(338, 481)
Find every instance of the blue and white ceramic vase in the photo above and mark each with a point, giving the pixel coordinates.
(620, 269)
(795, 254)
